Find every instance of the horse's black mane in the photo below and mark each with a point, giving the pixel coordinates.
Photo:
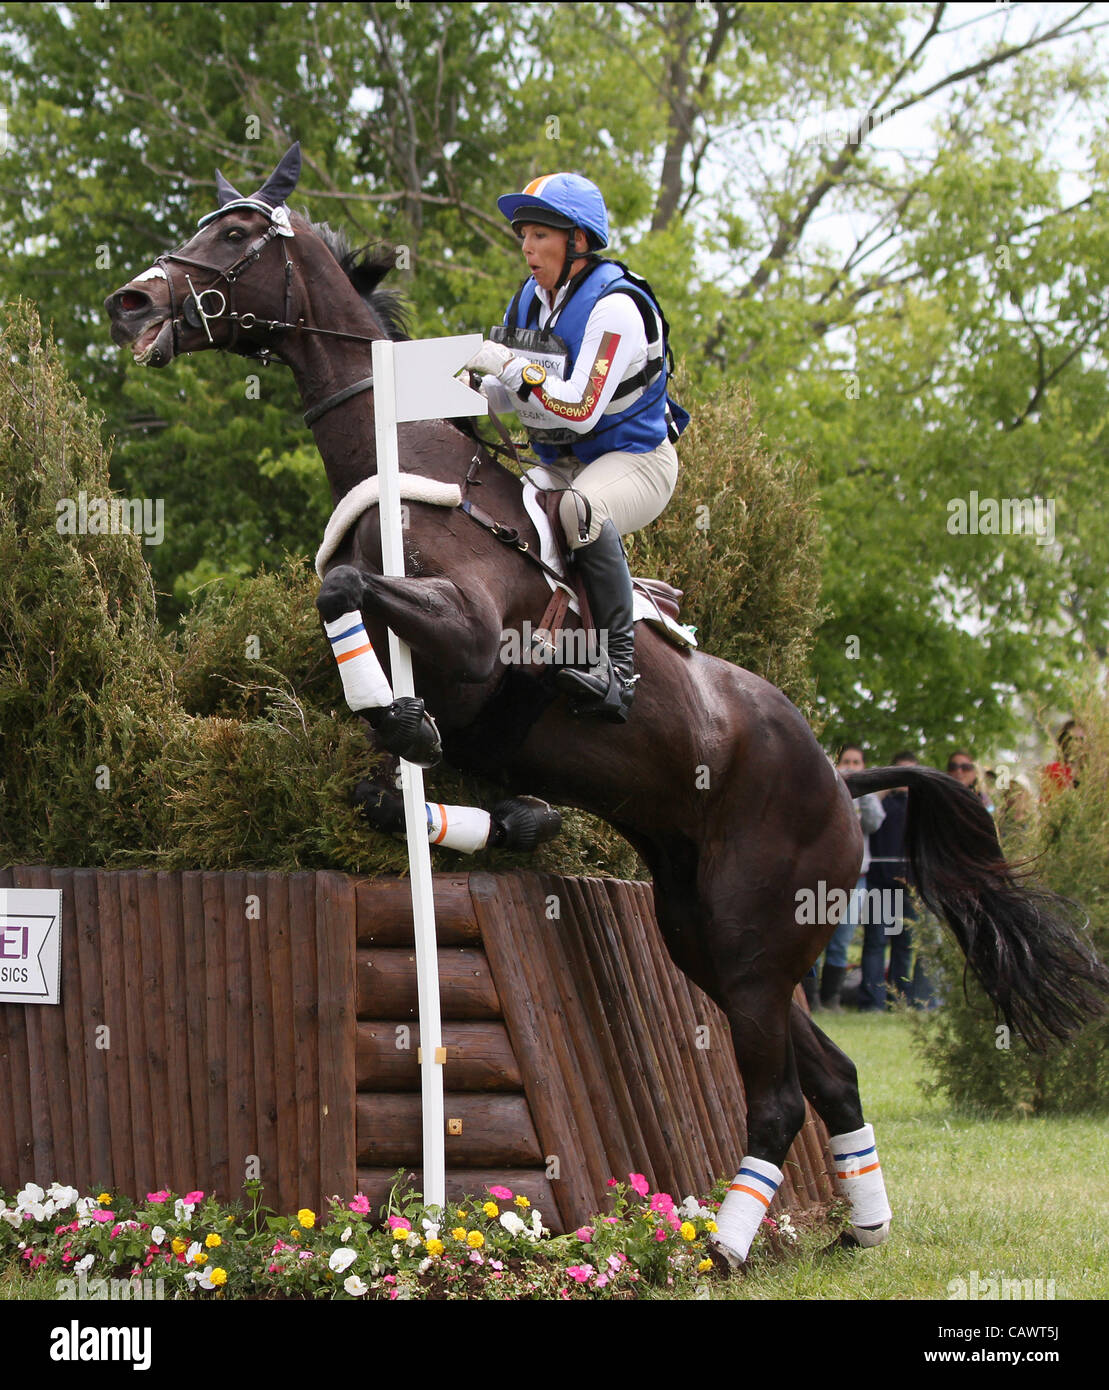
(365, 267)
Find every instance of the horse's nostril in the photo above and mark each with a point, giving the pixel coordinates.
(130, 300)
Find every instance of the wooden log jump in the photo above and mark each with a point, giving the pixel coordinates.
(214, 1027)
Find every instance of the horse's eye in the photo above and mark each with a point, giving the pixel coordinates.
(235, 234)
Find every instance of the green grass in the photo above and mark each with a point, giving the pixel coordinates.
(1013, 1199)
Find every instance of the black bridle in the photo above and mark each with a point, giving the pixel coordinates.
(195, 315)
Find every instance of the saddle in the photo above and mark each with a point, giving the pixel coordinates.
(661, 601)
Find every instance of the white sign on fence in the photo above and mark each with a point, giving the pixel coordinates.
(30, 945)
(428, 391)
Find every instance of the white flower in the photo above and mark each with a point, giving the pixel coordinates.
(183, 1210)
(691, 1209)
(205, 1280)
(423, 1265)
(431, 1229)
(512, 1223)
(85, 1205)
(396, 1252)
(39, 1211)
(31, 1193)
(342, 1259)
(63, 1196)
(413, 1240)
(194, 1249)
(12, 1216)
(355, 1287)
(346, 1234)
(157, 1235)
(83, 1266)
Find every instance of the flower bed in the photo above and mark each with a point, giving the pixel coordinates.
(492, 1247)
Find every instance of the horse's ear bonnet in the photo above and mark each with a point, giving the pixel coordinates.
(269, 199)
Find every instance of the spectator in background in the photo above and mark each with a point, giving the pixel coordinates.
(1059, 775)
(963, 768)
(871, 815)
(891, 909)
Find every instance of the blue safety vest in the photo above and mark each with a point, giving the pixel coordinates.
(653, 416)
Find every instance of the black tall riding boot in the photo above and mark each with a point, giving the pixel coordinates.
(607, 688)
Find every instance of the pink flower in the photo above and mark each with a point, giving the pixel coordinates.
(610, 1220)
(580, 1272)
(639, 1183)
(361, 1204)
(389, 1279)
(496, 1264)
(59, 1229)
(192, 1198)
(502, 1194)
(280, 1245)
(496, 1275)
(673, 1220)
(272, 1269)
(114, 1232)
(584, 1234)
(660, 1235)
(66, 1259)
(611, 1182)
(102, 1215)
(600, 1281)
(615, 1261)
(662, 1202)
(399, 1223)
(162, 1196)
(476, 1257)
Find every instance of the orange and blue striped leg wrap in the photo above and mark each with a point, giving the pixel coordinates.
(746, 1203)
(859, 1177)
(365, 684)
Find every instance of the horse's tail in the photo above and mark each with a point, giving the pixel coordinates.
(1030, 959)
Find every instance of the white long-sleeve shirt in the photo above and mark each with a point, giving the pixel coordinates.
(613, 346)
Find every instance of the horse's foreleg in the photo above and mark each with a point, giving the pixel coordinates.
(829, 1080)
(455, 630)
(403, 726)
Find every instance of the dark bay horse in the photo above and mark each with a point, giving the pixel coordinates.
(716, 779)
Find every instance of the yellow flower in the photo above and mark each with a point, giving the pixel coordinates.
(218, 1276)
(294, 1234)
(461, 1216)
(475, 1240)
(178, 1245)
(306, 1218)
(491, 1209)
(200, 1258)
(459, 1233)
(105, 1199)
(689, 1231)
(212, 1241)
(710, 1225)
(704, 1266)
(522, 1201)
(435, 1247)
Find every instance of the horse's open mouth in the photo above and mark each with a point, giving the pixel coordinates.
(154, 345)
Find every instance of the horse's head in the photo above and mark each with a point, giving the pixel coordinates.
(186, 301)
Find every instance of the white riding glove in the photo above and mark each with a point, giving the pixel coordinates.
(490, 359)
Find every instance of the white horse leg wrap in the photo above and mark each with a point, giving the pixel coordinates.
(746, 1203)
(463, 828)
(364, 682)
(859, 1177)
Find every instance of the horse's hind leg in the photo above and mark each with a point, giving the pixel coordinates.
(830, 1082)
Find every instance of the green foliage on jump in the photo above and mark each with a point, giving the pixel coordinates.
(1065, 841)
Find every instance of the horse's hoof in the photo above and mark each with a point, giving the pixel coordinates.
(405, 729)
(523, 822)
(725, 1261)
(859, 1237)
(869, 1236)
(383, 809)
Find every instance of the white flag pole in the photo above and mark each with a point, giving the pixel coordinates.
(425, 398)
